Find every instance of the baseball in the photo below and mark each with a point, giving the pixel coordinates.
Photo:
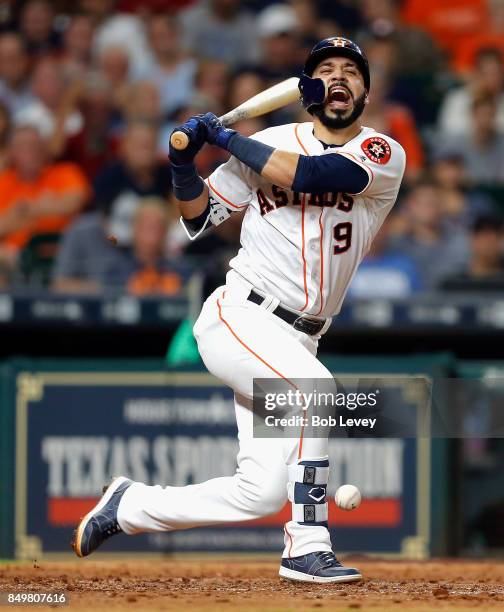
(348, 497)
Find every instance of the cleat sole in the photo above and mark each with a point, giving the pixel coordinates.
(290, 574)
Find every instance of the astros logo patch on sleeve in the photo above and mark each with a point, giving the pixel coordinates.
(377, 149)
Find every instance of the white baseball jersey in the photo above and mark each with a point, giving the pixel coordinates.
(304, 249)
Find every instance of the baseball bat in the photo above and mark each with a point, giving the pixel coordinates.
(268, 100)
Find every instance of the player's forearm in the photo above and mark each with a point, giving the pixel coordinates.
(189, 191)
(281, 168)
(277, 166)
(190, 209)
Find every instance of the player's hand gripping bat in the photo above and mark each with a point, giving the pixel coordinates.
(270, 99)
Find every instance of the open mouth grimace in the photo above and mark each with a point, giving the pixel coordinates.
(339, 98)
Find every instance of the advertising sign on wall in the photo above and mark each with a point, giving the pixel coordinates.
(77, 429)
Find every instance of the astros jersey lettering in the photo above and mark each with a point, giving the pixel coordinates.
(305, 248)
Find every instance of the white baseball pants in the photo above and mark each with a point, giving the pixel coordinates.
(240, 341)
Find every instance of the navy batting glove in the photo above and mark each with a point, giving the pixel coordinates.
(216, 133)
(196, 132)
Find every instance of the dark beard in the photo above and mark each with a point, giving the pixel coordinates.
(339, 122)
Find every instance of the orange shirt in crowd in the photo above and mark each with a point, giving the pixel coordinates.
(403, 129)
(465, 57)
(149, 281)
(449, 22)
(61, 179)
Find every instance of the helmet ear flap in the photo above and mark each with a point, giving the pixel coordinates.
(313, 91)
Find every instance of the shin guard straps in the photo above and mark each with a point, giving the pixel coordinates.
(307, 491)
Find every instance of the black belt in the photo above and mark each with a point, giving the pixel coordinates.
(303, 323)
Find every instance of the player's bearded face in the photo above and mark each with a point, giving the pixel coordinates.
(346, 95)
(341, 118)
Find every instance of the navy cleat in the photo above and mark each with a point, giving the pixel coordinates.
(101, 522)
(317, 567)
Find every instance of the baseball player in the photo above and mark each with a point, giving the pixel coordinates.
(314, 195)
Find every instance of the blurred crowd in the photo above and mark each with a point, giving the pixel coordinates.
(91, 89)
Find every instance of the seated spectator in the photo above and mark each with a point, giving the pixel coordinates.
(15, 90)
(54, 110)
(36, 27)
(172, 71)
(148, 272)
(137, 174)
(485, 269)
(416, 58)
(221, 30)
(309, 23)
(319, 19)
(450, 22)
(85, 256)
(37, 196)
(244, 85)
(346, 14)
(75, 57)
(143, 104)
(88, 263)
(113, 63)
(486, 79)
(212, 82)
(114, 30)
(95, 145)
(385, 272)
(418, 51)
(460, 202)
(282, 54)
(436, 248)
(281, 50)
(491, 36)
(396, 120)
(382, 52)
(483, 150)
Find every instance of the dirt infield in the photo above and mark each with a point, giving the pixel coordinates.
(254, 586)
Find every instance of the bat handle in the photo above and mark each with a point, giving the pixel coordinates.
(179, 140)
